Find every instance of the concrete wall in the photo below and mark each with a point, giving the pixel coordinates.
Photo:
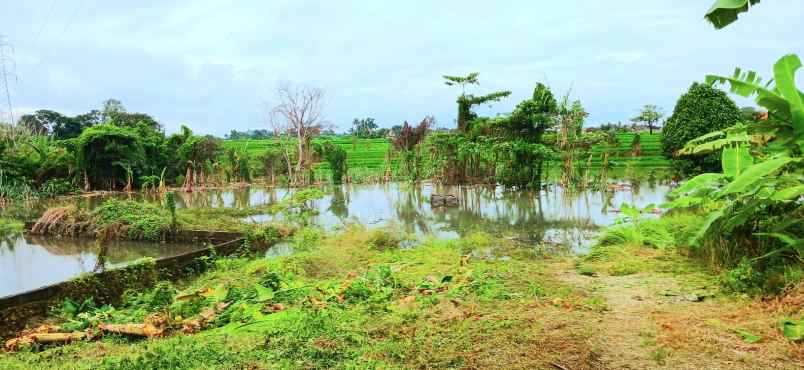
(107, 287)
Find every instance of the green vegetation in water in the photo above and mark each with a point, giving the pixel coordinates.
(134, 220)
(10, 226)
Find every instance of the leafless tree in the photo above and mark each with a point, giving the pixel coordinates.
(298, 112)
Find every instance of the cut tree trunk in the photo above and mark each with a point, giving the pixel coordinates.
(142, 330)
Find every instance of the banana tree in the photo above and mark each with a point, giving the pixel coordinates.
(760, 189)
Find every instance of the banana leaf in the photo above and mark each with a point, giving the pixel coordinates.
(725, 12)
(789, 193)
(735, 160)
(753, 174)
(784, 72)
(695, 183)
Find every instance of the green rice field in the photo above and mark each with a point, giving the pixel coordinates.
(366, 158)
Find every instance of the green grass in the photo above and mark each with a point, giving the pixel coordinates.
(340, 302)
(367, 158)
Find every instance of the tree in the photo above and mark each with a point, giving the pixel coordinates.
(126, 119)
(299, 110)
(271, 160)
(703, 109)
(364, 127)
(110, 107)
(106, 152)
(195, 152)
(336, 157)
(751, 114)
(408, 142)
(46, 121)
(650, 115)
(466, 102)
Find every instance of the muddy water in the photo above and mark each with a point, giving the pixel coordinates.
(28, 263)
(547, 219)
(535, 217)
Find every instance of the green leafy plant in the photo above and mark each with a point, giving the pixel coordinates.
(755, 202)
(725, 12)
(792, 329)
(702, 110)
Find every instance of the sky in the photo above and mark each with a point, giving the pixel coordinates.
(214, 65)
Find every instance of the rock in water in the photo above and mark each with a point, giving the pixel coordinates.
(439, 200)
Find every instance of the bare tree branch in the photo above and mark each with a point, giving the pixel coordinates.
(298, 112)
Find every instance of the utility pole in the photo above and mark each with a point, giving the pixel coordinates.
(4, 73)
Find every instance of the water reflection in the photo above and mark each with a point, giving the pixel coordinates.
(32, 262)
(530, 216)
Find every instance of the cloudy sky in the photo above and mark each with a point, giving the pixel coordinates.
(213, 64)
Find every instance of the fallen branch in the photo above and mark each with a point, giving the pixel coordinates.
(558, 366)
(142, 330)
(18, 343)
(203, 319)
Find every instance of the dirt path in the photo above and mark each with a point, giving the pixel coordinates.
(656, 321)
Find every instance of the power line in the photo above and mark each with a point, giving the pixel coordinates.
(4, 73)
(67, 25)
(44, 22)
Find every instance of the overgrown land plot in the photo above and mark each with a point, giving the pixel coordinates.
(353, 299)
(523, 240)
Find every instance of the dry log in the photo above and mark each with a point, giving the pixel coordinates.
(15, 344)
(58, 337)
(142, 330)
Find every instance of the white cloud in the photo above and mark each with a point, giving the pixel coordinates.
(210, 63)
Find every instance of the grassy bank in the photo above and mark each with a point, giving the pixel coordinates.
(356, 300)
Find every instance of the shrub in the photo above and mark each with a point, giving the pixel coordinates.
(56, 187)
(383, 239)
(10, 227)
(132, 219)
(703, 109)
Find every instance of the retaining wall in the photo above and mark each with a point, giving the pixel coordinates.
(108, 286)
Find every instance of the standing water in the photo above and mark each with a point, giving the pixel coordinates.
(28, 263)
(532, 217)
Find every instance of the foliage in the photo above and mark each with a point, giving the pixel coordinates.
(364, 127)
(703, 109)
(792, 329)
(633, 229)
(650, 115)
(170, 206)
(725, 12)
(466, 102)
(132, 219)
(336, 158)
(754, 206)
(297, 207)
(10, 227)
(48, 122)
(104, 151)
(408, 142)
(383, 239)
(510, 150)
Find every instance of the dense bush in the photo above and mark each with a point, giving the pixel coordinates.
(131, 219)
(104, 151)
(703, 109)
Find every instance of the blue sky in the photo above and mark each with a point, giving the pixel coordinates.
(214, 65)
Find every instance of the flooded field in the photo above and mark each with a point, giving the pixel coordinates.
(533, 217)
(28, 263)
(548, 219)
